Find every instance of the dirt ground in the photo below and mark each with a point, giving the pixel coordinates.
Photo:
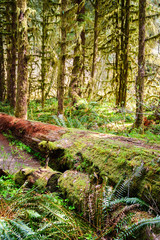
(12, 159)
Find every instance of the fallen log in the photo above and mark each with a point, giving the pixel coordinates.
(102, 156)
(43, 178)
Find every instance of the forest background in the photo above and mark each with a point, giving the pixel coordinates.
(97, 58)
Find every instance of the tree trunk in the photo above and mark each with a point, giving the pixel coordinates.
(22, 81)
(102, 156)
(61, 75)
(141, 66)
(125, 13)
(13, 54)
(43, 63)
(117, 54)
(8, 50)
(95, 48)
(2, 72)
(78, 61)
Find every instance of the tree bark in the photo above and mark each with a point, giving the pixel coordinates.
(43, 62)
(22, 81)
(8, 50)
(95, 48)
(125, 13)
(117, 50)
(2, 72)
(141, 66)
(61, 75)
(79, 55)
(13, 54)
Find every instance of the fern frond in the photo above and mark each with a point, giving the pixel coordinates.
(136, 226)
(127, 201)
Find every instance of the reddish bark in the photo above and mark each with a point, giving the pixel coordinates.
(37, 130)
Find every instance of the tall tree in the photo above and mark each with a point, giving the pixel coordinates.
(22, 80)
(61, 75)
(95, 46)
(79, 55)
(13, 53)
(141, 65)
(2, 72)
(8, 50)
(125, 14)
(43, 65)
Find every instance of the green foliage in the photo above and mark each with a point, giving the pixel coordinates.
(94, 116)
(137, 226)
(8, 187)
(29, 214)
(6, 108)
(156, 129)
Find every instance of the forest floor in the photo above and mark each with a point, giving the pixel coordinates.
(12, 158)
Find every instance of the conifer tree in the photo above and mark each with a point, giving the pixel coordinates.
(141, 65)
(8, 49)
(61, 75)
(2, 72)
(79, 55)
(13, 53)
(125, 14)
(22, 80)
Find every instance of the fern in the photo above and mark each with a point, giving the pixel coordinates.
(56, 119)
(127, 201)
(134, 227)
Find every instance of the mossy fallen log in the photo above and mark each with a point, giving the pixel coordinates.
(76, 187)
(102, 156)
(43, 178)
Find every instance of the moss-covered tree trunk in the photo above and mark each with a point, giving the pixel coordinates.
(125, 13)
(8, 50)
(117, 51)
(61, 75)
(78, 61)
(95, 48)
(22, 80)
(141, 66)
(43, 62)
(2, 72)
(13, 53)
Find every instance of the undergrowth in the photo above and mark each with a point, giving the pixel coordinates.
(31, 214)
(96, 116)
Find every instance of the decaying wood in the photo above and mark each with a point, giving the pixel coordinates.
(103, 157)
(45, 178)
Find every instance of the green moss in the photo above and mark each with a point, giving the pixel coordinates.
(75, 186)
(94, 153)
(21, 176)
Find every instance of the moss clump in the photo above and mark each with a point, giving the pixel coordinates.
(75, 186)
(41, 177)
(21, 176)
